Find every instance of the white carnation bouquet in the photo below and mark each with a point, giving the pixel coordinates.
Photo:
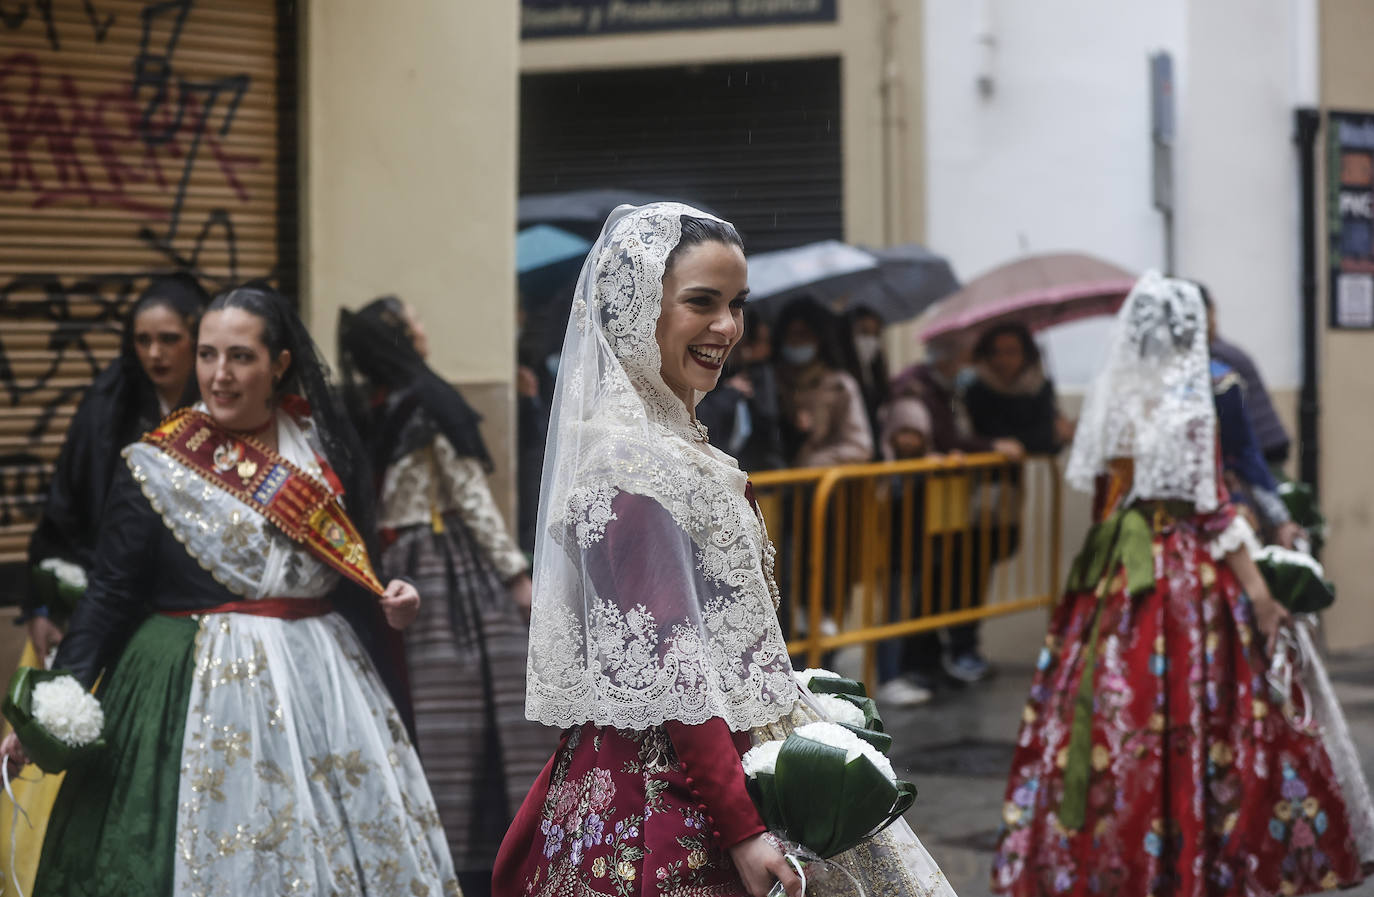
(58, 722)
(58, 585)
(829, 785)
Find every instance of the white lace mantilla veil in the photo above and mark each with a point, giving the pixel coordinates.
(685, 627)
(1153, 401)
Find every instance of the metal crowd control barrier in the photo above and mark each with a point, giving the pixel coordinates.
(873, 552)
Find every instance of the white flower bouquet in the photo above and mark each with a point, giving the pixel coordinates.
(58, 722)
(825, 789)
(846, 703)
(58, 585)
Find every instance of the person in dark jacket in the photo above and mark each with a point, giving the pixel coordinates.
(152, 376)
(934, 382)
(1010, 396)
(869, 362)
(741, 414)
(1274, 442)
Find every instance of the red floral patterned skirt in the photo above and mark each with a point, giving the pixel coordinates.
(612, 814)
(1198, 785)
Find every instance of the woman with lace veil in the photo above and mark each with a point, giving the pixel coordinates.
(654, 640)
(1153, 757)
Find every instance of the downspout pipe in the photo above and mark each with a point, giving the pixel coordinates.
(1307, 123)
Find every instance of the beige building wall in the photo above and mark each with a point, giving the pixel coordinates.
(409, 180)
(1347, 378)
(878, 43)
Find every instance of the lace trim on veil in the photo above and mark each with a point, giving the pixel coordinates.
(706, 643)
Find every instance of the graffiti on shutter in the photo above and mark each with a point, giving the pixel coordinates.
(136, 138)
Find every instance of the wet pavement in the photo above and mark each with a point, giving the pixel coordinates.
(958, 750)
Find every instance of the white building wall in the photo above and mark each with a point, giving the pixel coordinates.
(1057, 156)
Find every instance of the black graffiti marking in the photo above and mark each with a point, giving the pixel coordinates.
(215, 218)
(157, 72)
(169, 109)
(24, 484)
(99, 28)
(15, 19)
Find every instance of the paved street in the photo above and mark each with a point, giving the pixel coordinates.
(958, 749)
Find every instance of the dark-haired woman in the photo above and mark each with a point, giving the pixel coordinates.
(654, 641)
(151, 376)
(252, 746)
(824, 418)
(443, 530)
(1010, 396)
(869, 362)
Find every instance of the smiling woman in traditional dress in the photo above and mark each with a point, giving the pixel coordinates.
(654, 639)
(252, 745)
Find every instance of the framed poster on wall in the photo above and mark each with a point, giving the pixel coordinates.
(1350, 219)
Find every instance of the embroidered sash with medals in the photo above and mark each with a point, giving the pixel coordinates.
(296, 503)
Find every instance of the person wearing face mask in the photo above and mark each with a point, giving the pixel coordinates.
(824, 418)
(869, 365)
(234, 624)
(934, 382)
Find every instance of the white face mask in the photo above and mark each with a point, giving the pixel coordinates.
(867, 346)
(799, 355)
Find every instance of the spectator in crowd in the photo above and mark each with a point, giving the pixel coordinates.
(1273, 439)
(1010, 397)
(934, 383)
(869, 363)
(741, 414)
(823, 417)
(904, 434)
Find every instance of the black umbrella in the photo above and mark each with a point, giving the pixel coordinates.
(896, 283)
(583, 211)
(909, 280)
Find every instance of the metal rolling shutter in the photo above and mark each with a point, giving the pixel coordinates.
(137, 138)
(759, 144)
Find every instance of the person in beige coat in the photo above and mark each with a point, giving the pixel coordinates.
(824, 419)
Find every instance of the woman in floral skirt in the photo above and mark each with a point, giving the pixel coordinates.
(1152, 757)
(654, 639)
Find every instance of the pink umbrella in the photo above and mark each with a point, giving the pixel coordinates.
(1038, 291)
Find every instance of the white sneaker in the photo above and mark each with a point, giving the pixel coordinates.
(902, 692)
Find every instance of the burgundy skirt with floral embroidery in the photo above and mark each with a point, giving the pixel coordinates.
(614, 813)
(1198, 784)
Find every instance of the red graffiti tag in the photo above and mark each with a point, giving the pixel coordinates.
(65, 146)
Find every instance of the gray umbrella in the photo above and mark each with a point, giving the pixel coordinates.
(896, 283)
(909, 280)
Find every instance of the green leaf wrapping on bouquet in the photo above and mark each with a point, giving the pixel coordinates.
(872, 720)
(49, 591)
(829, 805)
(829, 685)
(880, 740)
(48, 752)
(1302, 507)
(763, 790)
(1294, 584)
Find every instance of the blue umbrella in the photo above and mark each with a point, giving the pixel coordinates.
(546, 258)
